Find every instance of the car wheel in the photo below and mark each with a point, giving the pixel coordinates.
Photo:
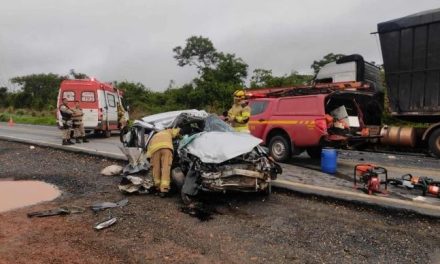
(279, 148)
(178, 178)
(315, 152)
(434, 143)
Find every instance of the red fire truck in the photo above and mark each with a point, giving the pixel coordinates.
(291, 120)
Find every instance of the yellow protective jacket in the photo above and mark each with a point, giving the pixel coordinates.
(239, 117)
(161, 140)
(121, 111)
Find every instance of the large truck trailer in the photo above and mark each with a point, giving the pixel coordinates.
(411, 55)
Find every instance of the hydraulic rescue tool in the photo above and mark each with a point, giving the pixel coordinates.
(425, 184)
(370, 176)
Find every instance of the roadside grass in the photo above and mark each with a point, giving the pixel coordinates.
(28, 116)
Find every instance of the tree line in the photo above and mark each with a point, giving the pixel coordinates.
(219, 74)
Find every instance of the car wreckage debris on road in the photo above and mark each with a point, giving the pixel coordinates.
(209, 156)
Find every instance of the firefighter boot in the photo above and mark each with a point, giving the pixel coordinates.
(85, 140)
(65, 142)
(69, 142)
(77, 140)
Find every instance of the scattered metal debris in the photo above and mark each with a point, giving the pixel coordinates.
(105, 205)
(137, 160)
(134, 184)
(57, 211)
(105, 223)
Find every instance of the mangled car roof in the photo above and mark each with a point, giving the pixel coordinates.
(165, 120)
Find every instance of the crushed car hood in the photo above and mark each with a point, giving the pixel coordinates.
(218, 147)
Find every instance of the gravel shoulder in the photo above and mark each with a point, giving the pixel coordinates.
(285, 228)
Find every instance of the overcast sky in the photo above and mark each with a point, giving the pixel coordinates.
(133, 40)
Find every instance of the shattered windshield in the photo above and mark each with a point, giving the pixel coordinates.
(213, 123)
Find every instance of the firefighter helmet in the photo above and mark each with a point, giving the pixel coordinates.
(239, 94)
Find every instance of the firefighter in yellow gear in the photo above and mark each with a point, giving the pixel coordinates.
(122, 121)
(160, 152)
(240, 112)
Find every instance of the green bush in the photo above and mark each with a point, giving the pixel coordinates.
(3, 117)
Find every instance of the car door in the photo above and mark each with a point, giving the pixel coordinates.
(259, 119)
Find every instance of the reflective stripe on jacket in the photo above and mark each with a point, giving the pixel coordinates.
(239, 117)
(161, 140)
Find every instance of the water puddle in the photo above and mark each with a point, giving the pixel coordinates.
(16, 194)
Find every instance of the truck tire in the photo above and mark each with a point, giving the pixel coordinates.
(434, 143)
(314, 152)
(279, 148)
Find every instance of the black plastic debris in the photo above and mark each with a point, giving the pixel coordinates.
(198, 210)
(57, 211)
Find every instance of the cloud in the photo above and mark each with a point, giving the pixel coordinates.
(133, 40)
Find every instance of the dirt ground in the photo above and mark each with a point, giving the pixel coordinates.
(286, 228)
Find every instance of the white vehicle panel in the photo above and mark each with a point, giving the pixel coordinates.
(90, 118)
(344, 72)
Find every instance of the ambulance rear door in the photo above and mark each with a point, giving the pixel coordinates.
(89, 104)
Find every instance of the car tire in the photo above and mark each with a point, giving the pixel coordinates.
(279, 148)
(268, 190)
(178, 178)
(186, 199)
(434, 143)
(314, 152)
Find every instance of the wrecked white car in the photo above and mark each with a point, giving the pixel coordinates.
(210, 156)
